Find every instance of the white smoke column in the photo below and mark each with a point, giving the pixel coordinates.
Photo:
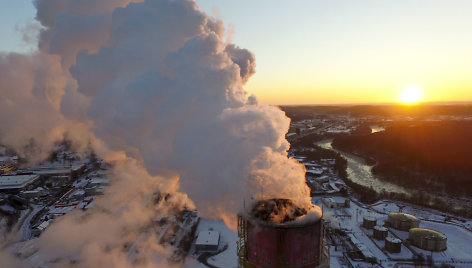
(169, 91)
(31, 88)
(153, 85)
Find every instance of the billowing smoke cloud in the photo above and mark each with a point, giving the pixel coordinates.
(153, 87)
(103, 234)
(32, 87)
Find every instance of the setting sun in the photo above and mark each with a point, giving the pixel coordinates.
(411, 94)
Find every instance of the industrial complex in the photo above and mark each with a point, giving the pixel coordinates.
(269, 233)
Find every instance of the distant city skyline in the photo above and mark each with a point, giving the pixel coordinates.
(324, 52)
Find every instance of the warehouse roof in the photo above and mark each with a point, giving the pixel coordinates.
(208, 238)
(16, 181)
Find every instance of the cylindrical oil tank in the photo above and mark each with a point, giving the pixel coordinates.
(402, 221)
(274, 245)
(380, 233)
(393, 245)
(369, 222)
(428, 239)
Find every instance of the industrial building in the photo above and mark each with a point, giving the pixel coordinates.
(402, 221)
(33, 193)
(428, 239)
(336, 202)
(207, 241)
(17, 183)
(268, 244)
(96, 186)
(36, 231)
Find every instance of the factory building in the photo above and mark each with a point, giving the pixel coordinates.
(17, 183)
(402, 221)
(55, 172)
(428, 239)
(336, 202)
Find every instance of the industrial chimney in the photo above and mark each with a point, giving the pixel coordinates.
(277, 233)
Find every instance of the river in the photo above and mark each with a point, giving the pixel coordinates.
(360, 173)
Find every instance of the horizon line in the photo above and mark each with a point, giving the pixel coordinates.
(381, 103)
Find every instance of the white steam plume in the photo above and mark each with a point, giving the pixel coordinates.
(153, 86)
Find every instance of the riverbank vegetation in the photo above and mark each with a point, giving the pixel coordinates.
(430, 158)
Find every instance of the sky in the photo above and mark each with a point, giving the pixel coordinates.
(326, 52)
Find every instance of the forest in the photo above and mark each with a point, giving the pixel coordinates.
(422, 155)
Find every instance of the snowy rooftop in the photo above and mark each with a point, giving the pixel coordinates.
(44, 225)
(99, 181)
(208, 238)
(78, 192)
(4, 159)
(315, 171)
(16, 181)
(54, 170)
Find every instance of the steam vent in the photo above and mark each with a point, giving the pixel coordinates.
(277, 233)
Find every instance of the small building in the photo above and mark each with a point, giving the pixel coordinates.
(96, 182)
(336, 202)
(207, 241)
(330, 161)
(428, 239)
(98, 190)
(315, 172)
(322, 179)
(36, 231)
(402, 221)
(31, 194)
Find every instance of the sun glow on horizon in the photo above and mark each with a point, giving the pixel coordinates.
(411, 94)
